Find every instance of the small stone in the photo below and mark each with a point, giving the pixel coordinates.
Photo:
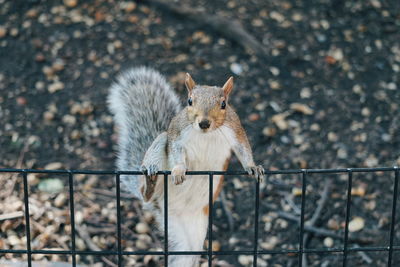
(315, 127)
(358, 191)
(58, 65)
(357, 89)
(269, 131)
(237, 183)
(69, 119)
(330, 60)
(254, 117)
(336, 53)
(3, 31)
(216, 246)
(297, 17)
(129, 6)
(48, 71)
(270, 243)
(297, 191)
(371, 161)
(275, 71)
(21, 101)
(257, 22)
(56, 86)
(33, 179)
(75, 134)
(280, 121)
(365, 112)
(375, 3)
(332, 137)
(356, 224)
(117, 44)
(39, 57)
(328, 242)
(14, 32)
(71, 3)
(277, 16)
(245, 260)
(53, 166)
(305, 93)
(236, 68)
(342, 153)
(60, 200)
(48, 116)
(32, 13)
(142, 228)
(333, 224)
(391, 86)
(13, 240)
(51, 186)
(275, 85)
(39, 85)
(302, 108)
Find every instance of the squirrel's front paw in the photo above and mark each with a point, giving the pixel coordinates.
(150, 170)
(178, 174)
(256, 171)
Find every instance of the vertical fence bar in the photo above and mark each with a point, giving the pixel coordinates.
(119, 235)
(393, 220)
(210, 219)
(27, 219)
(256, 216)
(72, 216)
(348, 205)
(303, 202)
(166, 220)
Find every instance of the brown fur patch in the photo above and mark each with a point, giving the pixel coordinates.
(150, 186)
(206, 210)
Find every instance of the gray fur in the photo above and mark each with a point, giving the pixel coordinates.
(143, 104)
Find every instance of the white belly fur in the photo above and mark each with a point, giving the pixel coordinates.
(204, 152)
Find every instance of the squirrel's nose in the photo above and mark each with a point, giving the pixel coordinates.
(204, 124)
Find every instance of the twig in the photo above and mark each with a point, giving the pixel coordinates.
(140, 213)
(318, 211)
(363, 255)
(228, 27)
(83, 233)
(11, 215)
(316, 230)
(227, 211)
(13, 176)
(108, 193)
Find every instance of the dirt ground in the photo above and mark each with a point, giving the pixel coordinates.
(324, 94)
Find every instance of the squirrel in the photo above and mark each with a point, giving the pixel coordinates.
(156, 133)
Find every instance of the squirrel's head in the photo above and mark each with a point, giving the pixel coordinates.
(207, 105)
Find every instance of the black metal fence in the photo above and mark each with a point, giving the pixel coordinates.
(390, 248)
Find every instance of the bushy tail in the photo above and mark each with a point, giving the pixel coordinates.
(143, 104)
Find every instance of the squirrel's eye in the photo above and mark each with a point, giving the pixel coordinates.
(190, 102)
(223, 105)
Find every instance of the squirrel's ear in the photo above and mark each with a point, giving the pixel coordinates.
(190, 84)
(228, 86)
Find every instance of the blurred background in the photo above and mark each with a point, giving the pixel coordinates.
(316, 86)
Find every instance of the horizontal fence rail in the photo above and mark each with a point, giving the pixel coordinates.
(300, 251)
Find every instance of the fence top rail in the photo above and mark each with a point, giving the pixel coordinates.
(267, 172)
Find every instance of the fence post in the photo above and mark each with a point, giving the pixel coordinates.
(348, 206)
(393, 220)
(72, 216)
(303, 204)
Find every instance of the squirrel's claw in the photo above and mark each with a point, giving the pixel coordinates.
(256, 171)
(150, 170)
(178, 174)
